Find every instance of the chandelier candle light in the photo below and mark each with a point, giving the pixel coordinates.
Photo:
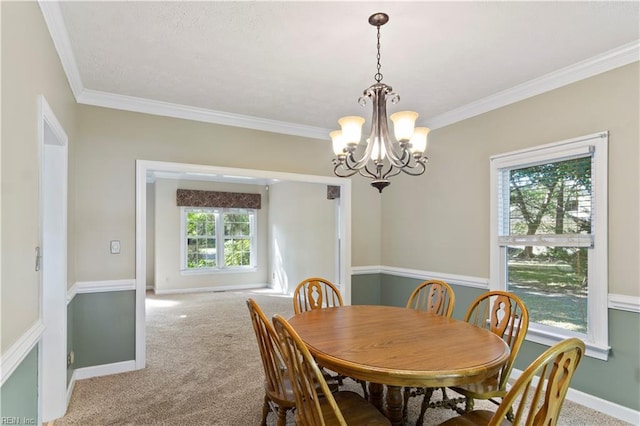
(381, 158)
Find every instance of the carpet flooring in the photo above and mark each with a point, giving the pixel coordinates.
(203, 368)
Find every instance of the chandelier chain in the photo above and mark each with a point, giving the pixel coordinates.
(378, 75)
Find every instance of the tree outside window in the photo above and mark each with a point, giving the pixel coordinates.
(549, 238)
(237, 240)
(201, 239)
(551, 199)
(212, 234)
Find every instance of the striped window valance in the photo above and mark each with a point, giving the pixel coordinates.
(193, 198)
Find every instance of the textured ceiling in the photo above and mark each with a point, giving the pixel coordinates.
(308, 62)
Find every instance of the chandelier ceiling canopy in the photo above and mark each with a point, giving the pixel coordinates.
(379, 157)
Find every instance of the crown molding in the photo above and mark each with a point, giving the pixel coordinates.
(615, 58)
(607, 61)
(55, 23)
(167, 109)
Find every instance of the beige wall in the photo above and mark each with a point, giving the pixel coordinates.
(366, 219)
(440, 221)
(109, 142)
(30, 67)
(168, 238)
(302, 234)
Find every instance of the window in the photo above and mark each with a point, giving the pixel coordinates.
(218, 239)
(549, 233)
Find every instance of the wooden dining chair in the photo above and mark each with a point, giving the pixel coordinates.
(324, 408)
(504, 314)
(277, 385)
(528, 399)
(437, 297)
(433, 296)
(315, 293)
(319, 293)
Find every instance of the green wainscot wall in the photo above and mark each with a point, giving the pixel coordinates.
(70, 334)
(616, 380)
(103, 328)
(19, 394)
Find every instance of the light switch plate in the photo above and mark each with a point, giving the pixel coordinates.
(115, 246)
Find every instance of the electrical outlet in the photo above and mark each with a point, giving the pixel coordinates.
(115, 246)
(71, 358)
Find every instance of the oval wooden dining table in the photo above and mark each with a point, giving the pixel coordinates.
(396, 347)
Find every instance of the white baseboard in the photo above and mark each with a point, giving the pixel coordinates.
(104, 370)
(595, 403)
(70, 387)
(210, 289)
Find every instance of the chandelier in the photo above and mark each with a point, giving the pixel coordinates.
(379, 158)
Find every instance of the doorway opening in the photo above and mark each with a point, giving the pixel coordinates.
(144, 168)
(52, 261)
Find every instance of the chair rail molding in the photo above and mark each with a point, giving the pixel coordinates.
(624, 303)
(462, 280)
(81, 287)
(14, 356)
(619, 302)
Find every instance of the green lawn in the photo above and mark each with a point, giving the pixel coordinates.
(553, 293)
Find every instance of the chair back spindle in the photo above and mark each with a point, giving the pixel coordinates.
(539, 403)
(306, 377)
(505, 315)
(277, 384)
(433, 296)
(315, 293)
(536, 397)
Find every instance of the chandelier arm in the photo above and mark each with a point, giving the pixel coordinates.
(352, 164)
(406, 157)
(394, 159)
(337, 170)
(396, 171)
(347, 165)
(366, 156)
(367, 173)
(419, 165)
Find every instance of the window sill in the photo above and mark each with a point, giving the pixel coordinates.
(216, 271)
(538, 334)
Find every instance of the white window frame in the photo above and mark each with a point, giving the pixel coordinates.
(220, 238)
(597, 337)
